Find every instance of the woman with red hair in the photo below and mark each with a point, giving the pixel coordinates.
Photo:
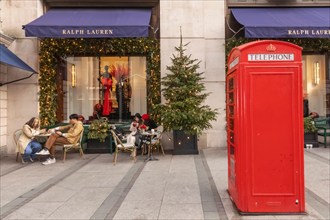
(147, 123)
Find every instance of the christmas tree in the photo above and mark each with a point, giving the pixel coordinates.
(184, 93)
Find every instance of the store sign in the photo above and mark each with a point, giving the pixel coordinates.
(271, 57)
(90, 23)
(87, 32)
(306, 32)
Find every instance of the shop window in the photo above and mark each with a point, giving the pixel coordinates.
(315, 84)
(117, 84)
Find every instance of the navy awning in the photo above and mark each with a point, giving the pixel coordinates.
(9, 58)
(284, 22)
(90, 23)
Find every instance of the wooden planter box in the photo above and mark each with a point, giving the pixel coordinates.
(184, 143)
(94, 146)
(311, 138)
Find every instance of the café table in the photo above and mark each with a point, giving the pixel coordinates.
(147, 139)
(42, 138)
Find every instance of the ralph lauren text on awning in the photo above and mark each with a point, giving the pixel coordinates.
(90, 23)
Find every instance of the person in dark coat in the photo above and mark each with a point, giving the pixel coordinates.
(148, 123)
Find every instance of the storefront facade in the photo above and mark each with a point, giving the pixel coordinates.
(84, 60)
(305, 23)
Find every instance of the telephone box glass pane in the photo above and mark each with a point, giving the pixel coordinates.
(231, 124)
(231, 111)
(232, 150)
(231, 137)
(231, 97)
(231, 84)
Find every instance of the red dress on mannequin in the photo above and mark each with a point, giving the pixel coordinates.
(107, 82)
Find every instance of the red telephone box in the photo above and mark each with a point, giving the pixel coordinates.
(265, 127)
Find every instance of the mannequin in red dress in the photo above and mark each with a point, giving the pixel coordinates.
(106, 80)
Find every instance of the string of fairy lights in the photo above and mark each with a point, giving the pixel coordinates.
(54, 51)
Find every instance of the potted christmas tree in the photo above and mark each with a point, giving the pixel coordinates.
(184, 112)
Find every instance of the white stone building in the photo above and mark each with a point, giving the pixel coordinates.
(206, 24)
(202, 23)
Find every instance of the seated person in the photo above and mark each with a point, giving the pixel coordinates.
(57, 137)
(134, 128)
(27, 144)
(135, 123)
(313, 115)
(81, 118)
(97, 113)
(148, 123)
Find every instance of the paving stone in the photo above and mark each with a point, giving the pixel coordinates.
(174, 187)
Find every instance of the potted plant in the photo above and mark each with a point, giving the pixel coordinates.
(99, 139)
(310, 132)
(184, 111)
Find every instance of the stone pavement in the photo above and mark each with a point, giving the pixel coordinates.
(174, 187)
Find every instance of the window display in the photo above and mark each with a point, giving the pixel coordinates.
(112, 87)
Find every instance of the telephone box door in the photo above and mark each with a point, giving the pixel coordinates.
(274, 164)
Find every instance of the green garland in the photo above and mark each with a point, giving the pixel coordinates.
(320, 45)
(52, 50)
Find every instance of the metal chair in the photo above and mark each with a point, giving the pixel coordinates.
(76, 146)
(156, 142)
(16, 136)
(122, 147)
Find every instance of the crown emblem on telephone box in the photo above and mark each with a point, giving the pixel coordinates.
(270, 48)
